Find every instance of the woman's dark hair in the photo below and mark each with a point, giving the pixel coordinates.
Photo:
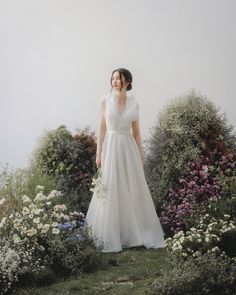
(127, 75)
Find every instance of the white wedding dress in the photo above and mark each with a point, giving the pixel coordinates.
(128, 217)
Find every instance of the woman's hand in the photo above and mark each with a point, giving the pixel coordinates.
(98, 160)
(142, 156)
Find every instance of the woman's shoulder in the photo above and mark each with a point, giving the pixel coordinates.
(104, 97)
(134, 100)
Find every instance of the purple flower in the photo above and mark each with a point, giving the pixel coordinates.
(66, 225)
(79, 237)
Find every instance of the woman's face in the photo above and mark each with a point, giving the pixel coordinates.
(116, 81)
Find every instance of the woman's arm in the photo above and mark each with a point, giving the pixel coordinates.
(137, 136)
(101, 125)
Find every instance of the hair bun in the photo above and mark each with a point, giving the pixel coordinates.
(129, 87)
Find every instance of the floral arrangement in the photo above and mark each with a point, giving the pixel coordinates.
(98, 186)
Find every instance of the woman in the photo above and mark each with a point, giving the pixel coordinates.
(127, 218)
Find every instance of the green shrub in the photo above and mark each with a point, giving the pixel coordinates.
(18, 182)
(69, 161)
(204, 275)
(184, 127)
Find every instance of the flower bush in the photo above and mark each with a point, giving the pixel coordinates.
(42, 230)
(19, 182)
(70, 161)
(186, 125)
(203, 184)
(15, 261)
(190, 169)
(38, 219)
(207, 237)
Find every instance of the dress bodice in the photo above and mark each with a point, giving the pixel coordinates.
(116, 120)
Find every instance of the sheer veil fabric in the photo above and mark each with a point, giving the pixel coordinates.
(128, 217)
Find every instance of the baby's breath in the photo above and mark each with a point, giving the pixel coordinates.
(98, 186)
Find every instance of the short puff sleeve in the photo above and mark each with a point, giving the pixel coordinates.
(135, 115)
(102, 104)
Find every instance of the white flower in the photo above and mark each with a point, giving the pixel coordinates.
(45, 228)
(207, 239)
(26, 199)
(32, 232)
(16, 239)
(36, 220)
(54, 224)
(37, 211)
(59, 207)
(66, 217)
(55, 231)
(39, 188)
(25, 210)
(39, 226)
(39, 197)
(76, 213)
(3, 221)
(215, 249)
(2, 201)
(54, 194)
(98, 187)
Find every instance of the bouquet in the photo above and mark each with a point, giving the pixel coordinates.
(98, 186)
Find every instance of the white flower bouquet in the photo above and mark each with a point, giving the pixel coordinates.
(98, 186)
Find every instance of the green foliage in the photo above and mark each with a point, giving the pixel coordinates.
(227, 204)
(48, 156)
(45, 277)
(71, 256)
(18, 182)
(69, 161)
(204, 275)
(12, 181)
